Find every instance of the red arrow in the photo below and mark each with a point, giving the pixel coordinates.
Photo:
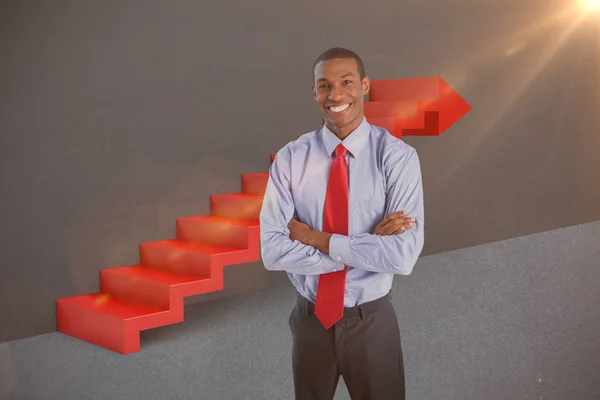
(415, 106)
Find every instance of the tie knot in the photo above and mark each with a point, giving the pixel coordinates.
(340, 151)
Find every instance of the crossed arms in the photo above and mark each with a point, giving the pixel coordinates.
(289, 245)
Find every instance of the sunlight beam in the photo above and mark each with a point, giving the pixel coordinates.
(592, 4)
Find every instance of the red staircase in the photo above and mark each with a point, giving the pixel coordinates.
(150, 294)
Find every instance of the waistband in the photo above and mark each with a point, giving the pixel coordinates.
(357, 311)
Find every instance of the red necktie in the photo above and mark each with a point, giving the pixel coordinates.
(330, 291)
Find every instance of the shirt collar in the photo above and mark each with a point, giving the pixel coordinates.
(354, 142)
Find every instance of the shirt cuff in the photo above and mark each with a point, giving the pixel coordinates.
(339, 248)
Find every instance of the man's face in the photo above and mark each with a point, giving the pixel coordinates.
(339, 92)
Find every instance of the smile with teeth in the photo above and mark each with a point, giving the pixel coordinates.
(339, 108)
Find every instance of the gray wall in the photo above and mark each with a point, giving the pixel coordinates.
(118, 117)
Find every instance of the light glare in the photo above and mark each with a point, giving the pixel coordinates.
(592, 4)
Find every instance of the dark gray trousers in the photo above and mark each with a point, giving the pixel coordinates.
(364, 347)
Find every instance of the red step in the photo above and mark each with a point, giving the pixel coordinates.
(393, 109)
(141, 284)
(411, 89)
(190, 258)
(220, 231)
(104, 320)
(255, 183)
(238, 205)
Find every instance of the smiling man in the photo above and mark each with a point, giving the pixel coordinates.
(342, 214)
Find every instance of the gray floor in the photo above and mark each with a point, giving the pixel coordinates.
(516, 319)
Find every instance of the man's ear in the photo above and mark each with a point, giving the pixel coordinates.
(314, 90)
(366, 85)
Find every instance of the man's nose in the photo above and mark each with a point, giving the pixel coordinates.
(335, 93)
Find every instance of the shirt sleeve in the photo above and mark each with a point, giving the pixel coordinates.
(278, 251)
(395, 254)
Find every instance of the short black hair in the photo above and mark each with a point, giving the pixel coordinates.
(340, 52)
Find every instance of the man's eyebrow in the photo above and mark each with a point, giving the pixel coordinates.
(343, 76)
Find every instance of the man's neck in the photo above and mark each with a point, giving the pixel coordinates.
(345, 131)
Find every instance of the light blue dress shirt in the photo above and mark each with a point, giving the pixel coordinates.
(384, 177)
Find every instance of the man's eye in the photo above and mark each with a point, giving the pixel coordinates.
(322, 86)
(347, 82)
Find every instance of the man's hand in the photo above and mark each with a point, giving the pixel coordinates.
(299, 231)
(394, 224)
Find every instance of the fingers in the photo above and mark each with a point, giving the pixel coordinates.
(396, 229)
(401, 229)
(394, 223)
(398, 226)
(395, 215)
(390, 219)
(396, 219)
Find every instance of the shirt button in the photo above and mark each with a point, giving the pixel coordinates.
(339, 258)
